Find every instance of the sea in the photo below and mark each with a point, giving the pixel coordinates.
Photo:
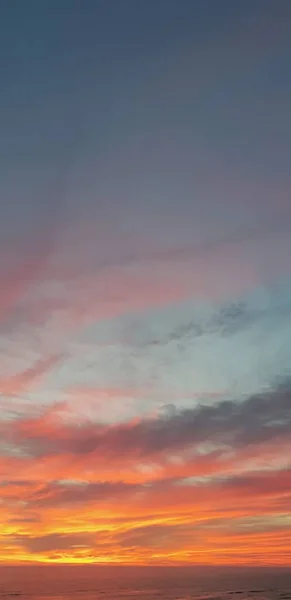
(143, 583)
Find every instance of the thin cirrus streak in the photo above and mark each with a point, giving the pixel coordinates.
(140, 281)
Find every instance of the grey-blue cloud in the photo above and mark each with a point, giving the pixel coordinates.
(255, 420)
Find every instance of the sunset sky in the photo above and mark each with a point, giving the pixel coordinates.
(145, 263)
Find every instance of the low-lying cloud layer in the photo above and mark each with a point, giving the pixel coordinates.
(169, 487)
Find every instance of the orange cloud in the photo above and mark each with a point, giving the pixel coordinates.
(150, 491)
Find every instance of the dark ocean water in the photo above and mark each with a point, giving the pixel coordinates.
(147, 583)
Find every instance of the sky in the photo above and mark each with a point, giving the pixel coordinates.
(145, 306)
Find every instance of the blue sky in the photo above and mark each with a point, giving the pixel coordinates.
(145, 183)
